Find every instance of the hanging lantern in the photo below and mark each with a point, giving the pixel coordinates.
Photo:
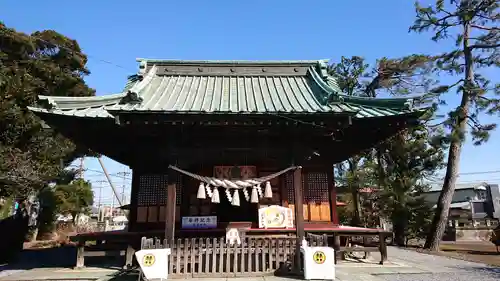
(236, 198)
(255, 195)
(268, 191)
(215, 196)
(201, 191)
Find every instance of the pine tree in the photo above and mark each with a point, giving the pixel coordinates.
(42, 63)
(403, 164)
(349, 73)
(474, 26)
(397, 77)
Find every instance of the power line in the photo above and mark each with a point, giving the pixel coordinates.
(73, 52)
(480, 173)
(123, 174)
(112, 175)
(441, 176)
(467, 181)
(101, 172)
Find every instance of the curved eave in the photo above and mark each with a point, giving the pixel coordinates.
(89, 112)
(391, 103)
(363, 107)
(334, 95)
(92, 107)
(66, 103)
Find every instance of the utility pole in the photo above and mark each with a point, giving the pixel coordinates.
(81, 168)
(100, 186)
(123, 174)
(81, 172)
(110, 183)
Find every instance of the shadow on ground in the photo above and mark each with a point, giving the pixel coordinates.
(125, 276)
(13, 230)
(61, 257)
(472, 252)
(490, 270)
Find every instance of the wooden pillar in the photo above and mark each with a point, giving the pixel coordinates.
(129, 257)
(383, 247)
(80, 255)
(170, 213)
(132, 213)
(299, 215)
(332, 190)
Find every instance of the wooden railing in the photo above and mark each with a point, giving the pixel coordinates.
(213, 257)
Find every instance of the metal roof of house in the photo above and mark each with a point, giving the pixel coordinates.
(458, 205)
(459, 186)
(231, 87)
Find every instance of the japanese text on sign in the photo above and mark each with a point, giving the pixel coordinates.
(199, 222)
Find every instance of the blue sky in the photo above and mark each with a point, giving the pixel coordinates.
(113, 33)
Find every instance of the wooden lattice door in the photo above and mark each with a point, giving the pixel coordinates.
(315, 190)
(152, 197)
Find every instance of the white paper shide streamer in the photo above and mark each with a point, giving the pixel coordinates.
(209, 186)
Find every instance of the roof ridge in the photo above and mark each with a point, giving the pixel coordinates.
(243, 62)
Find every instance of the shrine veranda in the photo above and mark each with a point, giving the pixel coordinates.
(220, 140)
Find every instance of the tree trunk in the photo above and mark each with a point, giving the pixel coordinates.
(34, 234)
(357, 219)
(399, 228)
(440, 219)
(355, 186)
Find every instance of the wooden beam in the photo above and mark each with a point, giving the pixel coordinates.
(299, 215)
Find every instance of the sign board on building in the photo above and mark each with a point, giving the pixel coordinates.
(275, 217)
(199, 222)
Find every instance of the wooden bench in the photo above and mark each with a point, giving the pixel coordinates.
(363, 247)
(106, 245)
(341, 250)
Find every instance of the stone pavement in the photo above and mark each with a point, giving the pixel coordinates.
(403, 265)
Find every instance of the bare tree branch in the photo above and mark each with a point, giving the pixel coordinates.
(484, 46)
(484, 27)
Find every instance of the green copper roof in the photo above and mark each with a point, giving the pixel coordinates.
(243, 87)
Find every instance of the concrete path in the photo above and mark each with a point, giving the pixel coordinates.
(403, 265)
